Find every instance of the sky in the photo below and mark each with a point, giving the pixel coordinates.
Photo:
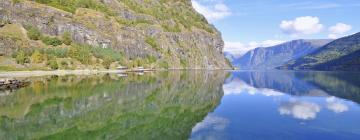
(247, 24)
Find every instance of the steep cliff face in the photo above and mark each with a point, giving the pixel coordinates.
(272, 57)
(171, 32)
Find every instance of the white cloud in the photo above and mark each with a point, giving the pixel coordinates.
(336, 106)
(237, 48)
(301, 26)
(338, 30)
(333, 36)
(213, 11)
(300, 109)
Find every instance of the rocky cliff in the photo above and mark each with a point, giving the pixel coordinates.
(169, 33)
(272, 57)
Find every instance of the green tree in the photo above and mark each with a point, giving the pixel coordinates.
(36, 57)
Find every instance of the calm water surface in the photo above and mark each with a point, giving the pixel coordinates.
(194, 105)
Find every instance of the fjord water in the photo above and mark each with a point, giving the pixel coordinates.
(185, 105)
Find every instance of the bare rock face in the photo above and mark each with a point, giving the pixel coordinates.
(181, 41)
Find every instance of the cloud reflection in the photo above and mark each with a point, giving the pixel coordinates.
(211, 122)
(335, 105)
(300, 109)
(211, 128)
(236, 87)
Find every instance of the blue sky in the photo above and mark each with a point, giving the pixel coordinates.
(246, 24)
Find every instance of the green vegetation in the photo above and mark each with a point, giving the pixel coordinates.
(152, 42)
(21, 57)
(66, 37)
(132, 22)
(53, 64)
(183, 63)
(33, 33)
(182, 14)
(81, 53)
(164, 64)
(53, 41)
(59, 52)
(107, 62)
(72, 5)
(36, 57)
(16, 1)
(106, 53)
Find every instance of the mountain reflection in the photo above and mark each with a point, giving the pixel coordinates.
(333, 88)
(165, 105)
(339, 84)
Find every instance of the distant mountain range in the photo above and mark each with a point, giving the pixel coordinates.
(340, 54)
(272, 57)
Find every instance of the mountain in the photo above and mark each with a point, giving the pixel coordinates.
(341, 54)
(272, 57)
(72, 34)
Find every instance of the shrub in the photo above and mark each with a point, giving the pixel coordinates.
(53, 64)
(81, 53)
(106, 53)
(164, 64)
(21, 57)
(33, 33)
(51, 41)
(36, 57)
(58, 52)
(16, 1)
(151, 59)
(66, 37)
(107, 62)
(64, 63)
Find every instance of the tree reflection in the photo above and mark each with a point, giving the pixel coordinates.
(164, 105)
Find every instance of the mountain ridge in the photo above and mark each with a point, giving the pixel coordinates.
(274, 56)
(340, 54)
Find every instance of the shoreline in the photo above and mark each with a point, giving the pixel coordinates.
(22, 74)
(37, 73)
